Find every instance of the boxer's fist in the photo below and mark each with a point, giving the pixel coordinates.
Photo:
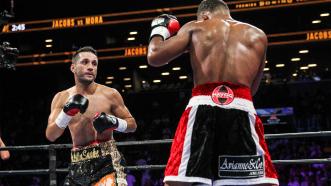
(165, 26)
(77, 103)
(104, 122)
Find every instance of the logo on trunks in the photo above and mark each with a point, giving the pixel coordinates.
(85, 154)
(240, 166)
(222, 95)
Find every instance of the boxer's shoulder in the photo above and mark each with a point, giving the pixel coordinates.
(192, 26)
(67, 92)
(107, 91)
(104, 89)
(61, 96)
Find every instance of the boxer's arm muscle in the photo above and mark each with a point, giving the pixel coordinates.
(52, 130)
(161, 52)
(121, 111)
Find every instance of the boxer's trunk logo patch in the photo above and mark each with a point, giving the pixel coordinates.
(222, 95)
(249, 166)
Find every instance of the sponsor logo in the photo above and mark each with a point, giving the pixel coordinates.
(85, 154)
(241, 166)
(158, 21)
(222, 95)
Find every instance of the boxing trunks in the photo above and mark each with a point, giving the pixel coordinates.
(96, 164)
(220, 140)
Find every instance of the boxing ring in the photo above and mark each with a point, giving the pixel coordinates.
(52, 171)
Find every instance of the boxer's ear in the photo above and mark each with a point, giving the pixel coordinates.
(72, 67)
(204, 15)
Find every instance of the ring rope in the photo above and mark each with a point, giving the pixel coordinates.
(164, 141)
(156, 167)
(154, 142)
(298, 135)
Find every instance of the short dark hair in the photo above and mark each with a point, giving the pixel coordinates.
(83, 49)
(211, 5)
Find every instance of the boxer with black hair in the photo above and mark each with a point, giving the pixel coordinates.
(92, 112)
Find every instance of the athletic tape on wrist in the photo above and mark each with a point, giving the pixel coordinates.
(122, 125)
(62, 120)
(161, 31)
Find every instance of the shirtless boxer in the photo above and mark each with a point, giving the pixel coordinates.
(91, 112)
(219, 138)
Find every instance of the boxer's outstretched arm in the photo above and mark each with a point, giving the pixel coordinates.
(52, 130)
(161, 52)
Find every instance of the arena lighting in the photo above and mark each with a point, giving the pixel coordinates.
(304, 68)
(127, 86)
(110, 77)
(122, 68)
(324, 14)
(312, 65)
(294, 74)
(143, 81)
(165, 73)
(133, 33)
(127, 79)
(143, 66)
(182, 77)
(316, 78)
(48, 40)
(266, 69)
(108, 82)
(156, 81)
(311, 36)
(107, 19)
(266, 61)
(316, 21)
(49, 46)
(176, 68)
(295, 59)
(280, 65)
(303, 51)
(131, 38)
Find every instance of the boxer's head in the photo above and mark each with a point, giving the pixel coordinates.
(85, 64)
(208, 7)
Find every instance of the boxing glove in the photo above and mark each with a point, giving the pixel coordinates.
(75, 104)
(104, 122)
(165, 26)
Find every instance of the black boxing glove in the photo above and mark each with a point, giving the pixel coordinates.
(105, 121)
(75, 104)
(165, 26)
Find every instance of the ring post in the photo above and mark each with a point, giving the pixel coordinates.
(52, 165)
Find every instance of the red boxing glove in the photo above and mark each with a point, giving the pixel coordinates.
(165, 26)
